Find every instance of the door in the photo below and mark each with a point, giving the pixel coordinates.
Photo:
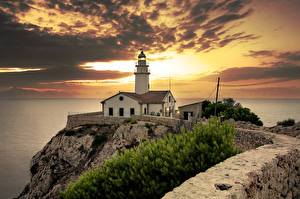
(131, 111)
(186, 115)
(121, 112)
(111, 111)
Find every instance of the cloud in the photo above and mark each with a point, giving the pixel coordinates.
(253, 53)
(15, 6)
(211, 39)
(58, 74)
(257, 83)
(286, 56)
(57, 36)
(236, 6)
(238, 36)
(282, 71)
(35, 93)
(223, 19)
(266, 92)
(126, 30)
(291, 56)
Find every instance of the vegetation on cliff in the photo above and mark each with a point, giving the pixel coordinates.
(230, 109)
(288, 122)
(156, 167)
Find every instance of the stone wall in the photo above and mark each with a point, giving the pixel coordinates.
(92, 118)
(269, 171)
(98, 118)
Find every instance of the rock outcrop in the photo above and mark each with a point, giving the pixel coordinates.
(293, 131)
(74, 151)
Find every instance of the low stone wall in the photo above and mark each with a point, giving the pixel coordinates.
(82, 119)
(269, 171)
(98, 118)
(86, 114)
(246, 140)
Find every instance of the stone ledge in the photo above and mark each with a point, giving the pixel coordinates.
(269, 171)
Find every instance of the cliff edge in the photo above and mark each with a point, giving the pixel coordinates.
(74, 151)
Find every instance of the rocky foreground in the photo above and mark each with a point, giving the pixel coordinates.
(74, 151)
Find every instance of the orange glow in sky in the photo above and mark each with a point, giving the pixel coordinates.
(176, 65)
(13, 70)
(89, 49)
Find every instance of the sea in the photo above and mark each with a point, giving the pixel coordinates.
(26, 125)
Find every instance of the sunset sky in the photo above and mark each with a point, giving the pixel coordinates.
(88, 48)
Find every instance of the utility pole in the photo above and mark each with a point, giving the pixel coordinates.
(217, 96)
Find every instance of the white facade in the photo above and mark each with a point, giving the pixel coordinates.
(115, 103)
(122, 105)
(169, 105)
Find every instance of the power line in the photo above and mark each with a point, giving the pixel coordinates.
(213, 91)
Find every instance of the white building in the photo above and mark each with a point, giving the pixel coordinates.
(142, 101)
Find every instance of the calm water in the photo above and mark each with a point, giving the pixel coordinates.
(27, 125)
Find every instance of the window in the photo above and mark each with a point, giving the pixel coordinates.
(111, 111)
(121, 98)
(169, 98)
(131, 111)
(145, 111)
(121, 112)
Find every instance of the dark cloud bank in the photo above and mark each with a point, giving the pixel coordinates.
(29, 46)
(286, 68)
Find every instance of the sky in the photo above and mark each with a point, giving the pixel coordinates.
(88, 48)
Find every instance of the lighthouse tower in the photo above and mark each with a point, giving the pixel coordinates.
(141, 75)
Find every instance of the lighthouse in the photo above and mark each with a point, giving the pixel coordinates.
(141, 75)
(143, 101)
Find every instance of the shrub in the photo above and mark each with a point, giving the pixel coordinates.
(148, 126)
(230, 109)
(131, 121)
(288, 122)
(205, 103)
(156, 167)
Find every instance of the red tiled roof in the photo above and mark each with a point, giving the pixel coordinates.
(151, 97)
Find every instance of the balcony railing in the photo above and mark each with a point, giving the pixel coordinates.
(141, 70)
(141, 63)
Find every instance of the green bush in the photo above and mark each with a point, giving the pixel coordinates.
(131, 121)
(229, 110)
(288, 122)
(156, 167)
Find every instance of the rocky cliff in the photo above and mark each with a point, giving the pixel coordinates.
(73, 151)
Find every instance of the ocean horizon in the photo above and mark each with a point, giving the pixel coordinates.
(26, 125)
